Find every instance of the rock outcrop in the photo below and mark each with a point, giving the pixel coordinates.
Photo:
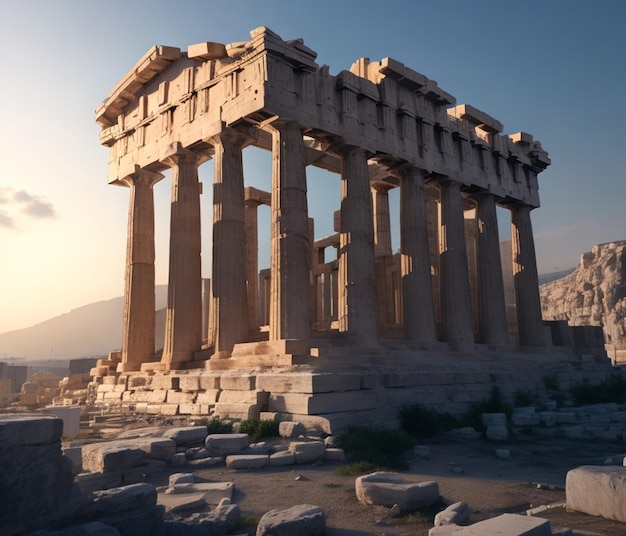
(593, 295)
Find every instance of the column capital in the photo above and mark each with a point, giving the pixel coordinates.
(175, 154)
(231, 136)
(142, 175)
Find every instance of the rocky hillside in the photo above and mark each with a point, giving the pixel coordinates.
(593, 295)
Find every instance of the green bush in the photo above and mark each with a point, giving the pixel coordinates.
(378, 447)
(215, 425)
(258, 430)
(423, 422)
(613, 390)
(492, 404)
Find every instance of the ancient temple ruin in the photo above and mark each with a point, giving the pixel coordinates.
(379, 126)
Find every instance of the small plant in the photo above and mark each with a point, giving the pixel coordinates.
(258, 430)
(357, 468)
(420, 421)
(523, 398)
(613, 390)
(551, 383)
(378, 447)
(492, 404)
(215, 425)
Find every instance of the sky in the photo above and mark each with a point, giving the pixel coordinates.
(555, 69)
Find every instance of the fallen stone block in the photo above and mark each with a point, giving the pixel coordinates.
(387, 489)
(189, 436)
(122, 499)
(182, 502)
(283, 457)
(335, 455)
(291, 429)
(456, 514)
(307, 451)
(225, 444)
(494, 419)
(597, 491)
(302, 519)
(181, 478)
(213, 492)
(497, 433)
(240, 461)
(505, 524)
(107, 457)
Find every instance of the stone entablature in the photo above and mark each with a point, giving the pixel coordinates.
(379, 125)
(394, 113)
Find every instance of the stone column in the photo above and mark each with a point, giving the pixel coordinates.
(525, 278)
(229, 291)
(382, 224)
(357, 316)
(417, 291)
(183, 318)
(492, 322)
(252, 262)
(455, 293)
(139, 302)
(291, 248)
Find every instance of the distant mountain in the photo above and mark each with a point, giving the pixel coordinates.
(90, 330)
(553, 276)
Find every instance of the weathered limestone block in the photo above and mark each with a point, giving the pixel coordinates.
(155, 397)
(36, 480)
(387, 489)
(237, 382)
(291, 429)
(124, 453)
(243, 397)
(241, 461)
(509, 524)
(334, 455)
(317, 404)
(598, 491)
(189, 383)
(210, 396)
(181, 502)
(237, 411)
(180, 478)
(494, 419)
(302, 519)
(308, 382)
(179, 397)
(307, 451)
(189, 436)
(169, 409)
(455, 514)
(497, 433)
(209, 380)
(226, 444)
(213, 492)
(283, 457)
(122, 499)
(164, 382)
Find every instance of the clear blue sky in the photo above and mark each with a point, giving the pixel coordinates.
(555, 69)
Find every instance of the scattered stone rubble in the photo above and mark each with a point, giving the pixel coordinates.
(115, 499)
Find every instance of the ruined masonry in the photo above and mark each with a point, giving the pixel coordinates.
(326, 343)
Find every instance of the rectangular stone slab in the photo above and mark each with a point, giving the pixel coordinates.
(598, 491)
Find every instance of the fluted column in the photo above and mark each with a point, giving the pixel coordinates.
(492, 322)
(417, 290)
(139, 302)
(291, 250)
(455, 293)
(229, 292)
(357, 317)
(183, 318)
(252, 262)
(525, 278)
(382, 223)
